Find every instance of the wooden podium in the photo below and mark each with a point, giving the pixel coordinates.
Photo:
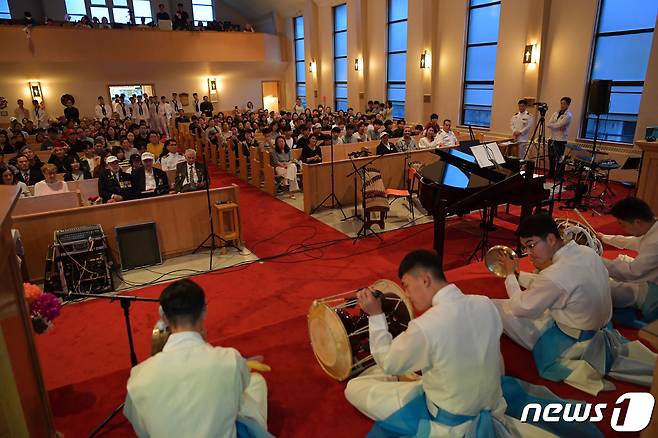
(646, 186)
(23, 399)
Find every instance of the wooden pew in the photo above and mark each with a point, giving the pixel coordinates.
(255, 158)
(87, 188)
(47, 203)
(244, 164)
(43, 155)
(317, 177)
(172, 213)
(222, 159)
(232, 161)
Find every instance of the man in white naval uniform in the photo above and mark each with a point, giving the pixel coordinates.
(521, 125)
(192, 389)
(563, 315)
(456, 344)
(634, 281)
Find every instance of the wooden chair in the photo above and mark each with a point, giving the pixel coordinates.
(228, 220)
(404, 193)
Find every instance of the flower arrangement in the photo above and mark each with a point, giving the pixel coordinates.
(44, 307)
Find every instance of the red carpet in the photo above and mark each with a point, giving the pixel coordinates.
(261, 309)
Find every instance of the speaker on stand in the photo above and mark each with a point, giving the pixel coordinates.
(598, 103)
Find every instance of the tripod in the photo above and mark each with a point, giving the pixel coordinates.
(539, 134)
(212, 236)
(332, 195)
(125, 301)
(577, 200)
(356, 213)
(483, 245)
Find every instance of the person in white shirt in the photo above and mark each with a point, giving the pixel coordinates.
(349, 136)
(447, 138)
(168, 109)
(429, 141)
(335, 136)
(122, 109)
(171, 160)
(102, 110)
(634, 281)
(39, 115)
(50, 185)
(563, 315)
(456, 345)
(140, 111)
(158, 121)
(175, 103)
(361, 135)
(196, 104)
(298, 108)
(521, 124)
(407, 143)
(558, 124)
(190, 388)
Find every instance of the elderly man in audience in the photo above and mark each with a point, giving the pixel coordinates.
(149, 181)
(114, 185)
(172, 158)
(190, 175)
(50, 185)
(385, 147)
(407, 143)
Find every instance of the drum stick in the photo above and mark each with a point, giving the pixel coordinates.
(583, 219)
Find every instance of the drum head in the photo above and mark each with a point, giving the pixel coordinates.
(329, 340)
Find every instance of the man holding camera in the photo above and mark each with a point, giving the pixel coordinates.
(559, 125)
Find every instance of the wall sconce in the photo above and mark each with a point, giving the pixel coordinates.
(531, 54)
(356, 64)
(35, 91)
(213, 90)
(311, 66)
(425, 60)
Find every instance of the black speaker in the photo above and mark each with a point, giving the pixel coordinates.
(599, 96)
(138, 245)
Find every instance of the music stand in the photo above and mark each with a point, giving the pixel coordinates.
(356, 202)
(332, 195)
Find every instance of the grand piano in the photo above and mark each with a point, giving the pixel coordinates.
(456, 184)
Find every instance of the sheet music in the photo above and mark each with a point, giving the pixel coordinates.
(485, 153)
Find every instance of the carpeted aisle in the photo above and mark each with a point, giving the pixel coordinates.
(261, 309)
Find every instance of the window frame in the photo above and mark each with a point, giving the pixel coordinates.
(212, 7)
(111, 7)
(604, 119)
(336, 82)
(296, 38)
(390, 83)
(466, 83)
(5, 14)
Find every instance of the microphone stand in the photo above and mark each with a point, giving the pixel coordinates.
(332, 195)
(126, 301)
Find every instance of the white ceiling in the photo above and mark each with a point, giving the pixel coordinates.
(254, 9)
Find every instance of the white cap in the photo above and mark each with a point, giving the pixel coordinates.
(148, 156)
(111, 159)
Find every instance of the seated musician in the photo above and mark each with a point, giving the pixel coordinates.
(190, 175)
(385, 147)
(149, 181)
(563, 315)
(192, 389)
(114, 184)
(455, 343)
(634, 282)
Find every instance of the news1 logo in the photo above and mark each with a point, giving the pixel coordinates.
(638, 408)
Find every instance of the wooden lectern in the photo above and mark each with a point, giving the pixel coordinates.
(648, 181)
(23, 399)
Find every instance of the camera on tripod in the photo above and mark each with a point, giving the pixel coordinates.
(542, 107)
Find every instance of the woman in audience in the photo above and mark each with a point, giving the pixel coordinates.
(121, 156)
(429, 141)
(77, 172)
(9, 178)
(311, 153)
(154, 146)
(111, 137)
(5, 146)
(281, 160)
(50, 185)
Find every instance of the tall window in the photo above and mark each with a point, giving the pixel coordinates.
(300, 68)
(116, 11)
(396, 73)
(481, 45)
(621, 54)
(202, 10)
(340, 56)
(5, 14)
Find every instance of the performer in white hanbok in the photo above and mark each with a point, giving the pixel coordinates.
(456, 344)
(192, 389)
(564, 314)
(634, 281)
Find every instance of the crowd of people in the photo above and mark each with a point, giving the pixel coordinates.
(130, 126)
(180, 20)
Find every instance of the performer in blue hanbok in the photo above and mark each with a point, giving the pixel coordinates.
(634, 281)
(564, 314)
(456, 345)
